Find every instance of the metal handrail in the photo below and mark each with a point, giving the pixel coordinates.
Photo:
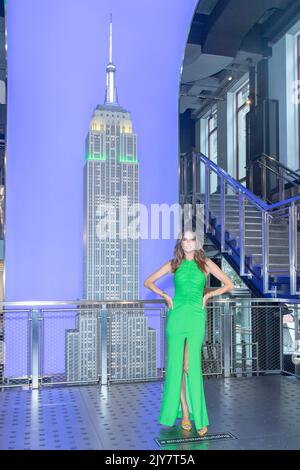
(296, 184)
(226, 306)
(99, 303)
(284, 175)
(274, 160)
(267, 212)
(261, 205)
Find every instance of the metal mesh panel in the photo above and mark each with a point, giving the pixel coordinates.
(15, 348)
(135, 343)
(256, 338)
(290, 339)
(126, 342)
(212, 348)
(69, 346)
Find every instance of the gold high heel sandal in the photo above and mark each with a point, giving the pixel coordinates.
(186, 424)
(202, 432)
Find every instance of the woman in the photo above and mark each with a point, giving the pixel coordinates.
(185, 331)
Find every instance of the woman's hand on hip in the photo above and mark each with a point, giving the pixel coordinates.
(205, 299)
(169, 300)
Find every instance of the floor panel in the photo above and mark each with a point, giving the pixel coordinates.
(262, 412)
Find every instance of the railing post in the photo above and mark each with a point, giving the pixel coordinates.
(194, 183)
(297, 337)
(281, 184)
(242, 233)
(35, 347)
(180, 188)
(265, 250)
(185, 179)
(293, 247)
(207, 193)
(264, 183)
(281, 339)
(222, 191)
(104, 356)
(227, 339)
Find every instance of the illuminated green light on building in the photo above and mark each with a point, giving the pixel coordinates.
(122, 159)
(127, 159)
(97, 157)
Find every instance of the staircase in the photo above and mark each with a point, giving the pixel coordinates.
(257, 238)
(279, 256)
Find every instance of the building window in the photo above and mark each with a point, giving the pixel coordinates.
(242, 108)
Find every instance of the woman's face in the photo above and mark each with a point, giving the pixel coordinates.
(188, 242)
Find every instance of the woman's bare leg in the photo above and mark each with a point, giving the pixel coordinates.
(184, 407)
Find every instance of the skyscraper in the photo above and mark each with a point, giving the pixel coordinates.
(111, 186)
(111, 245)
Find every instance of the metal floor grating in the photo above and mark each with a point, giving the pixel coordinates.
(262, 412)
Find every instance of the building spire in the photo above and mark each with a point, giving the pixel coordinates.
(110, 39)
(111, 96)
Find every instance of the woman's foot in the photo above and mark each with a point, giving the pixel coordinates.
(202, 431)
(186, 424)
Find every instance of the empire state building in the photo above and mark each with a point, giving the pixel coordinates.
(111, 187)
(111, 251)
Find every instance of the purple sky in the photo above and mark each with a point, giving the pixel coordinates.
(57, 55)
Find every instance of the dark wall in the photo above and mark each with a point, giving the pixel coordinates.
(186, 131)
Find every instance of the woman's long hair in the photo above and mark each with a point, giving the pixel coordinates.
(199, 255)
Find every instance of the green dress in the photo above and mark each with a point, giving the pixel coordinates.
(186, 320)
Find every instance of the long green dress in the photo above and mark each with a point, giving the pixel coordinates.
(187, 321)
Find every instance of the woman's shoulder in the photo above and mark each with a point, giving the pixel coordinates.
(171, 266)
(207, 264)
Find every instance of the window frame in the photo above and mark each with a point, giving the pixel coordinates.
(214, 113)
(238, 109)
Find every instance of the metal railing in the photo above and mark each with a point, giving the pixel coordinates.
(81, 342)
(196, 174)
(277, 180)
(85, 342)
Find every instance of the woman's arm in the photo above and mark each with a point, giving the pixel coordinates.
(214, 269)
(206, 290)
(149, 282)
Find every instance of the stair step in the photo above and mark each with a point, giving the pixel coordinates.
(217, 195)
(276, 265)
(231, 219)
(234, 210)
(251, 223)
(272, 256)
(280, 272)
(273, 245)
(257, 252)
(257, 227)
(254, 234)
(256, 242)
(234, 207)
